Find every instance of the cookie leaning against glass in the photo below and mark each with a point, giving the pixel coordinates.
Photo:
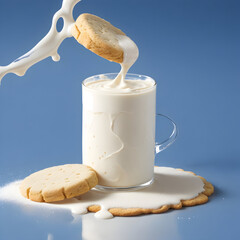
(58, 183)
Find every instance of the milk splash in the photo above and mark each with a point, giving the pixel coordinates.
(48, 46)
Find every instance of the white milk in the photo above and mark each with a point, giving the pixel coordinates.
(119, 131)
(48, 46)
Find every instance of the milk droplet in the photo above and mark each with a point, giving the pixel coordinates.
(56, 57)
(103, 214)
(79, 210)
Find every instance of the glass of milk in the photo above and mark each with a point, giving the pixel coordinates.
(118, 131)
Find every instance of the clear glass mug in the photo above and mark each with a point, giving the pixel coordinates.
(118, 134)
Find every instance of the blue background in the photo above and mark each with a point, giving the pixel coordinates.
(192, 50)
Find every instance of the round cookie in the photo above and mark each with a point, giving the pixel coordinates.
(59, 182)
(99, 36)
(125, 212)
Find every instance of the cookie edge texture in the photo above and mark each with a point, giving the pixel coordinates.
(127, 212)
(62, 192)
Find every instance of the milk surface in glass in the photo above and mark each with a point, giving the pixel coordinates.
(119, 129)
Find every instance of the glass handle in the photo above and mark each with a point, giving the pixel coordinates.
(166, 143)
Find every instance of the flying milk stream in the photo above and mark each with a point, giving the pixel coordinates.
(48, 46)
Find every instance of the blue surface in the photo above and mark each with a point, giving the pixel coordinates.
(192, 50)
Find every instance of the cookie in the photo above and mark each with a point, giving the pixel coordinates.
(99, 36)
(59, 182)
(125, 212)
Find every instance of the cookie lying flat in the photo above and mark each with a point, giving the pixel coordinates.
(125, 212)
(99, 36)
(59, 182)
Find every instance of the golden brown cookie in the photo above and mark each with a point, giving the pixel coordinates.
(59, 182)
(99, 36)
(200, 199)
